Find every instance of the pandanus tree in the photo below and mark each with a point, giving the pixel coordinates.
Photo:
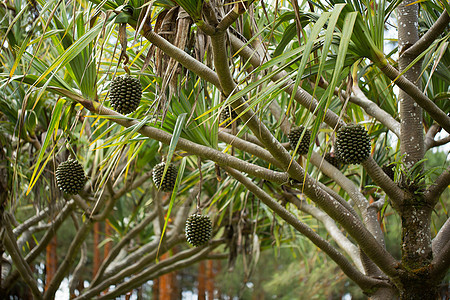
(360, 118)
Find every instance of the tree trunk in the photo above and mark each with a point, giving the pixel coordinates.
(51, 261)
(97, 258)
(175, 289)
(210, 278)
(155, 289)
(201, 281)
(108, 245)
(415, 213)
(164, 282)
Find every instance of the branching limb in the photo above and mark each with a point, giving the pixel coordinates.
(372, 109)
(36, 219)
(231, 17)
(429, 37)
(430, 142)
(264, 154)
(202, 151)
(23, 268)
(433, 193)
(370, 218)
(81, 203)
(123, 242)
(120, 273)
(419, 97)
(332, 172)
(331, 227)
(338, 198)
(381, 179)
(442, 237)
(301, 96)
(335, 210)
(176, 262)
(441, 262)
(378, 205)
(36, 251)
(363, 281)
(180, 56)
(248, 147)
(69, 259)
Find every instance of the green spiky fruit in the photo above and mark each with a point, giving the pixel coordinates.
(294, 137)
(332, 158)
(198, 229)
(70, 177)
(168, 183)
(228, 115)
(125, 94)
(352, 144)
(389, 169)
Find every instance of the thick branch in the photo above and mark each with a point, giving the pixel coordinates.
(331, 227)
(202, 151)
(332, 172)
(370, 218)
(372, 109)
(176, 262)
(430, 142)
(381, 179)
(36, 251)
(20, 263)
(429, 37)
(441, 238)
(334, 209)
(248, 147)
(441, 262)
(363, 281)
(230, 18)
(36, 219)
(419, 97)
(180, 56)
(129, 270)
(438, 187)
(124, 241)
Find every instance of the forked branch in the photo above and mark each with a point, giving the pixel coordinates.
(359, 278)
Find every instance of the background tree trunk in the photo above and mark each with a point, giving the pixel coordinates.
(51, 261)
(211, 274)
(97, 260)
(201, 279)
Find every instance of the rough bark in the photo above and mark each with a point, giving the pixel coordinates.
(415, 212)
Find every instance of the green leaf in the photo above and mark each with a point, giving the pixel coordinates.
(52, 127)
(172, 198)
(73, 51)
(174, 141)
